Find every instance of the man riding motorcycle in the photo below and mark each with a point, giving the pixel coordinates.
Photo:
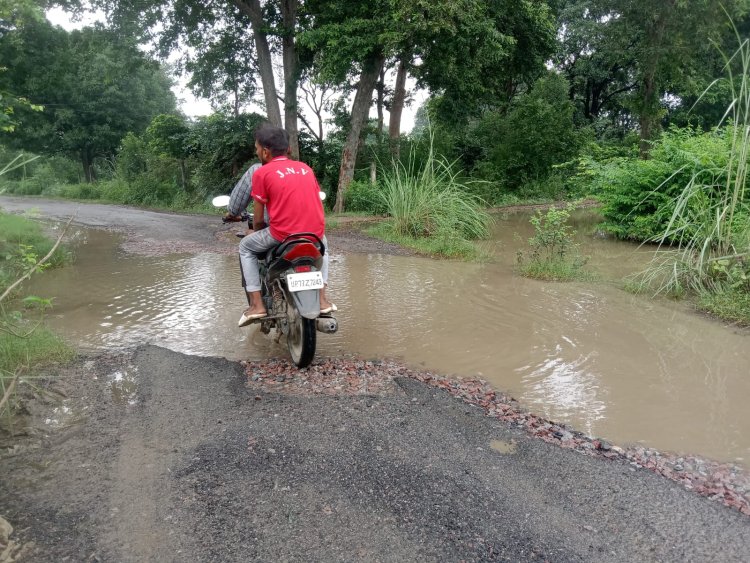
(289, 191)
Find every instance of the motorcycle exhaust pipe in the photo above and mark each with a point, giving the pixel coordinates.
(329, 325)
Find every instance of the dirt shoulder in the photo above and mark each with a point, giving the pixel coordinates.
(166, 457)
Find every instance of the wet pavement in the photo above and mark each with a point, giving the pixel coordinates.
(208, 464)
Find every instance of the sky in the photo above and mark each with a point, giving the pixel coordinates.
(193, 106)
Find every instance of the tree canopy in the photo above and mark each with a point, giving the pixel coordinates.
(95, 86)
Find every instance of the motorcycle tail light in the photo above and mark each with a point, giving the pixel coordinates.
(299, 269)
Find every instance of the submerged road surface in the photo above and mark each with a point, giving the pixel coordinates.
(167, 457)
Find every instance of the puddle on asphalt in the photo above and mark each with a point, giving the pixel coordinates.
(590, 355)
(64, 416)
(503, 447)
(124, 387)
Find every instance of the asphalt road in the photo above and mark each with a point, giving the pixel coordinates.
(198, 466)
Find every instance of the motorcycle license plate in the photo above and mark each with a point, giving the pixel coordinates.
(305, 280)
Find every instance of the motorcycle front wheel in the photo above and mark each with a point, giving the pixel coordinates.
(301, 339)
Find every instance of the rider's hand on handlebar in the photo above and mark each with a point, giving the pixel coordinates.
(229, 218)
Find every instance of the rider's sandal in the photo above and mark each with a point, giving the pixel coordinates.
(331, 309)
(246, 319)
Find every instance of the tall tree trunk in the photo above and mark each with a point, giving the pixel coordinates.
(291, 74)
(360, 110)
(380, 88)
(397, 107)
(183, 175)
(648, 120)
(649, 115)
(86, 162)
(253, 10)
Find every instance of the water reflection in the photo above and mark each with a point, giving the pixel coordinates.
(609, 363)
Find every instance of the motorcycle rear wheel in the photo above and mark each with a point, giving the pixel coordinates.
(301, 339)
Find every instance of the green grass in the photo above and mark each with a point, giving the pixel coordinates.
(561, 271)
(25, 344)
(21, 240)
(730, 305)
(27, 357)
(436, 246)
(41, 347)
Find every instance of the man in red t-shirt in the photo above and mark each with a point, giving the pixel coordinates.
(290, 191)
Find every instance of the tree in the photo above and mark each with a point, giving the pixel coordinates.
(95, 87)
(222, 65)
(537, 132)
(224, 142)
(476, 53)
(472, 52)
(598, 63)
(167, 135)
(349, 38)
(12, 16)
(273, 26)
(628, 57)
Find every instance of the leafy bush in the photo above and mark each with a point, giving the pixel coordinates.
(21, 242)
(521, 145)
(77, 191)
(554, 255)
(639, 196)
(708, 208)
(363, 197)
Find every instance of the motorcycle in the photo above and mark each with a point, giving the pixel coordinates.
(291, 279)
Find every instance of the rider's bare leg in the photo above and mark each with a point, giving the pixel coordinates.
(324, 303)
(256, 303)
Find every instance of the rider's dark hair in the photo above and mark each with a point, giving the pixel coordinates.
(275, 139)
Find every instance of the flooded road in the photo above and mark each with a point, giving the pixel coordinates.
(609, 363)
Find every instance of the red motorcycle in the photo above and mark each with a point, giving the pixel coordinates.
(291, 280)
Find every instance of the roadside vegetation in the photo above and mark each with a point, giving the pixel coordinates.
(429, 208)
(25, 343)
(554, 255)
(690, 199)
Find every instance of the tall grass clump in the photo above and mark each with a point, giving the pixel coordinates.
(428, 203)
(709, 227)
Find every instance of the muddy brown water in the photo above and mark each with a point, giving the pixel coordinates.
(611, 364)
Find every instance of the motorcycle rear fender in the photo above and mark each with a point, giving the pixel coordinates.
(307, 302)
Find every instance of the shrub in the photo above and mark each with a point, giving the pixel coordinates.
(364, 197)
(639, 196)
(554, 255)
(708, 208)
(521, 145)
